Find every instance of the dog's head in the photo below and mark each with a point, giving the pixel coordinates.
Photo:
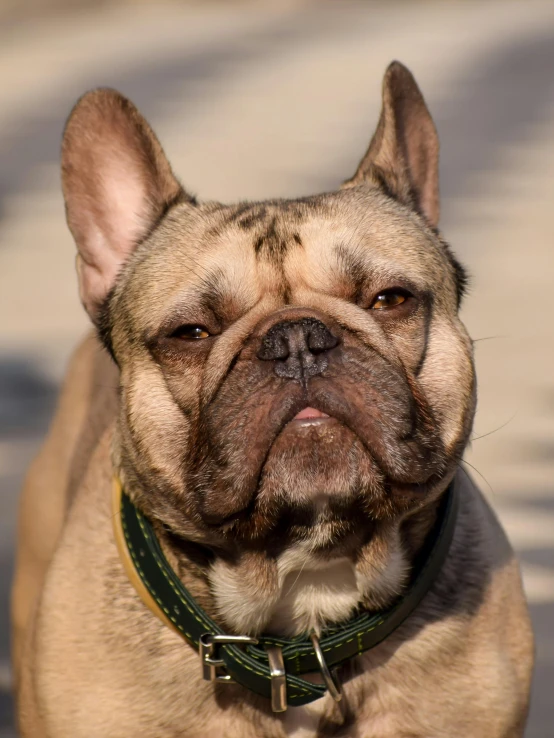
(291, 370)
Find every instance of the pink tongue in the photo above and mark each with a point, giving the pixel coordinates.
(309, 412)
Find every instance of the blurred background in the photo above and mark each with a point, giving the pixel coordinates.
(257, 99)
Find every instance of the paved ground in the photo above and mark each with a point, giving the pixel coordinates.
(253, 101)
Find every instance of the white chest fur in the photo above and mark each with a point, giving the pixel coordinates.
(302, 592)
(311, 595)
(312, 592)
(306, 593)
(299, 591)
(302, 722)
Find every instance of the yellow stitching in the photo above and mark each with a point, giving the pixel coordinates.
(296, 655)
(426, 565)
(292, 696)
(181, 599)
(173, 587)
(145, 578)
(158, 561)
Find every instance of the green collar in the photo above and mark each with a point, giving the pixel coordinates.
(269, 666)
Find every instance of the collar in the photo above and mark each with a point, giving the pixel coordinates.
(269, 666)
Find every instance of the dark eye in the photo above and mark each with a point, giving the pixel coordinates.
(389, 299)
(191, 333)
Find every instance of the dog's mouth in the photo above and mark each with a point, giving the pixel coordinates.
(310, 416)
(312, 409)
(336, 445)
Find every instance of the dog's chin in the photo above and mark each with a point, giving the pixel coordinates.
(317, 483)
(314, 459)
(321, 485)
(326, 469)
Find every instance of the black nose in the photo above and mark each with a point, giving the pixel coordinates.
(298, 348)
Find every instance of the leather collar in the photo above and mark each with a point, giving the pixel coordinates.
(163, 592)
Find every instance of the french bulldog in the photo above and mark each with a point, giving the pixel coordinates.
(284, 390)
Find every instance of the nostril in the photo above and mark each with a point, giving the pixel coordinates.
(321, 339)
(298, 342)
(274, 347)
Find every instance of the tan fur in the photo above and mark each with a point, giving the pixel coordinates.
(56, 474)
(272, 524)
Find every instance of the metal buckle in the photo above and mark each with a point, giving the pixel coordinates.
(331, 681)
(278, 679)
(207, 647)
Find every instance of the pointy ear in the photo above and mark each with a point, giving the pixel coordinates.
(117, 184)
(403, 156)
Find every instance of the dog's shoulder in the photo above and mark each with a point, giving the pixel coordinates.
(85, 409)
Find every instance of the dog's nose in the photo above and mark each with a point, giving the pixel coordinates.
(298, 348)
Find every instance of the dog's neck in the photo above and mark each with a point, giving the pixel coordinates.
(299, 590)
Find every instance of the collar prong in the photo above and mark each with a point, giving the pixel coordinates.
(278, 679)
(207, 649)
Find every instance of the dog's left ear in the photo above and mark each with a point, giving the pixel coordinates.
(403, 156)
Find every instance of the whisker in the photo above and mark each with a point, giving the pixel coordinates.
(477, 438)
(292, 586)
(486, 338)
(463, 461)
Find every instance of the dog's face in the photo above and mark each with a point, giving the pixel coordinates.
(290, 370)
(231, 322)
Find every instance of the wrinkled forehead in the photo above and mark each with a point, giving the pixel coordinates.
(243, 254)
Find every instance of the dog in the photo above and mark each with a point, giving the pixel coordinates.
(260, 444)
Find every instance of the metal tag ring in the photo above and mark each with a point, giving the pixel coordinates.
(331, 681)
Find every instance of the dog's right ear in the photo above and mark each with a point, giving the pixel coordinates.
(117, 184)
